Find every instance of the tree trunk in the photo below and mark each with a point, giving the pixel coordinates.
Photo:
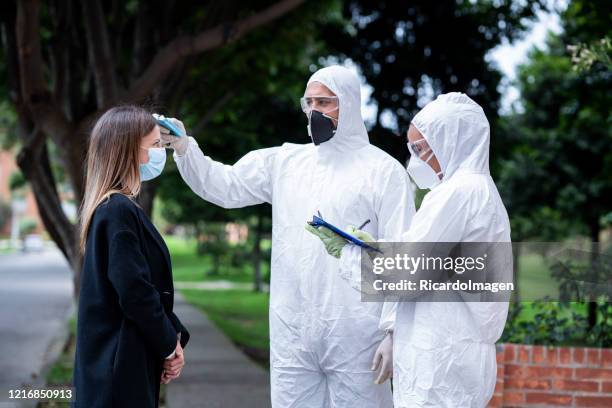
(216, 265)
(35, 166)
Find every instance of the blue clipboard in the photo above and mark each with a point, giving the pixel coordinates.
(318, 221)
(165, 123)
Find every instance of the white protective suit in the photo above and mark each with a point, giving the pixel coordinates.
(322, 337)
(444, 352)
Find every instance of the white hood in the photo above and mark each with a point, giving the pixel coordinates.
(351, 132)
(457, 131)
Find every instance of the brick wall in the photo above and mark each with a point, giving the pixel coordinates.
(540, 376)
(7, 167)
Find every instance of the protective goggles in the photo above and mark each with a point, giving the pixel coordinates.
(419, 148)
(323, 104)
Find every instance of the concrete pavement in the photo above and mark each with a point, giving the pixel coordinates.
(35, 300)
(216, 373)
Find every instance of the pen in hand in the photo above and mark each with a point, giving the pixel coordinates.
(364, 224)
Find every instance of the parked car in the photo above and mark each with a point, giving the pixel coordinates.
(33, 243)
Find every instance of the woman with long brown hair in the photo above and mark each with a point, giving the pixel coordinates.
(128, 338)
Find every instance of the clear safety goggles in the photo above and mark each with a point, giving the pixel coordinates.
(323, 104)
(419, 148)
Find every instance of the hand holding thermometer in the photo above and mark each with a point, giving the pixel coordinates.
(167, 124)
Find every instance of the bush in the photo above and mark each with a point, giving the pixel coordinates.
(16, 180)
(27, 226)
(557, 324)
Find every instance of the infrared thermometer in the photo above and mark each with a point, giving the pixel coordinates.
(167, 124)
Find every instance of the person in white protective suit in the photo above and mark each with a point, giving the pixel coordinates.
(444, 352)
(322, 337)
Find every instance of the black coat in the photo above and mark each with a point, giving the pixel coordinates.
(126, 326)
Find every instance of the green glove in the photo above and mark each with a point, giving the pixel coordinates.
(362, 235)
(332, 241)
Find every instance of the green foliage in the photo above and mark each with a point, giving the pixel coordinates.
(411, 51)
(600, 335)
(557, 324)
(548, 323)
(241, 315)
(17, 180)
(27, 226)
(188, 266)
(8, 133)
(211, 241)
(585, 56)
(242, 97)
(554, 171)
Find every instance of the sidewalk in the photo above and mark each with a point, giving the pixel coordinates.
(216, 373)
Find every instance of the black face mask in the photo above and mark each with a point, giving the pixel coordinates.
(320, 127)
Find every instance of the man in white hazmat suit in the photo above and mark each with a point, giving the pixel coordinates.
(322, 337)
(444, 352)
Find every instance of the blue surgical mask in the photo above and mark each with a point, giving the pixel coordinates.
(155, 165)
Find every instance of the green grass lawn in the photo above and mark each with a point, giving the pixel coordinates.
(534, 278)
(242, 315)
(187, 265)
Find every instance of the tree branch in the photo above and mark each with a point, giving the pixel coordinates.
(34, 93)
(46, 115)
(197, 129)
(100, 55)
(167, 57)
(34, 163)
(28, 45)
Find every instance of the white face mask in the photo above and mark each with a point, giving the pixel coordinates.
(422, 173)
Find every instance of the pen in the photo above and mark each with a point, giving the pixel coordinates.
(364, 224)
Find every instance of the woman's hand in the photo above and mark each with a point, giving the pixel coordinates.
(173, 367)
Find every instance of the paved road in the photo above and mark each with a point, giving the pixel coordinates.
(35, 298)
